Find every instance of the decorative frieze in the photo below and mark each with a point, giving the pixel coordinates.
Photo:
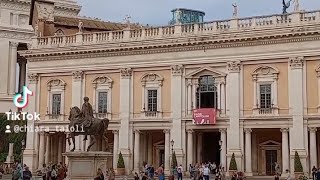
(33, 78)
(126, 72)
(234, 66)
(77, 75)
(296, 62)
(177, 70)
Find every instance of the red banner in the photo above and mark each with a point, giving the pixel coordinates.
(204, 116)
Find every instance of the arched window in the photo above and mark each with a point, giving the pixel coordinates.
(207, 94)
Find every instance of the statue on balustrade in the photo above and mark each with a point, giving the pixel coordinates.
(285, 6)
(83, 119)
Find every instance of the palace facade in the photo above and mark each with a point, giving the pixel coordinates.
(261, 74)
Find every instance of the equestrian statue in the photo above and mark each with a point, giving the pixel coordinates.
(91, 126)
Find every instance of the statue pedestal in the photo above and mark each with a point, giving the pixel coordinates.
(84, 165)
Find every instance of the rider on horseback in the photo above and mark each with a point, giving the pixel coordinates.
(86, 115)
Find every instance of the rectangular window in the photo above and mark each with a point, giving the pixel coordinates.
(56, 104)
(102, 102)
(265, 96)
(152, 100)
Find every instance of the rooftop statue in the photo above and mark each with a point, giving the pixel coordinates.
(92, 126)
(285, 6)
(235, 10)
(80, 26)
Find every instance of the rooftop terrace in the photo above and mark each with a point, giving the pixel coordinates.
(216, 29)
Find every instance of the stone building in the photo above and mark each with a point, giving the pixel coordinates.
(261, 74)
(15, 35)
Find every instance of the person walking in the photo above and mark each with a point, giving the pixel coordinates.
(318, 174)
(179, 171)
(314, 171)
(206, 172)
(54, 173)
(27, 175)
(160, 173)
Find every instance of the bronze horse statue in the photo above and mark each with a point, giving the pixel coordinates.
(98, 128)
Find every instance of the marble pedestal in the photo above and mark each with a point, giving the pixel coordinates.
(84, 165)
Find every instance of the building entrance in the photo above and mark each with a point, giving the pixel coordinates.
(211, 147)
(271, 159)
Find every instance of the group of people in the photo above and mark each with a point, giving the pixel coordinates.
(110, 174)
(204, 170)
(19, 171)
(315, 173)
(149, 172)
(53, 172)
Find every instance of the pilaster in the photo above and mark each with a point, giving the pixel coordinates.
(233, 111)
(176, 105)
(29, 155)
(125, 91)
(296, 101)
(13, 63)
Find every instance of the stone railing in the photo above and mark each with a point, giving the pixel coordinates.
(150, 33)
(56, 117)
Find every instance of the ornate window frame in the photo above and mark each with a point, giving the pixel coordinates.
(151, 81)
(192, 84)
(102, 84)
(265, 75)
(55, 86)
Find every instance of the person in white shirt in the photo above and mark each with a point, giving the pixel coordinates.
(206, 172)
(179, 171)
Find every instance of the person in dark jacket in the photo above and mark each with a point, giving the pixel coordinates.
(318, 175)
(27, 175)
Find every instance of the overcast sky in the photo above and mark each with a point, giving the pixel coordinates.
(157, 12)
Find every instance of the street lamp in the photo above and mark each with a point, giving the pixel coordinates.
(23, 143)
(220, 144)
(172, 143)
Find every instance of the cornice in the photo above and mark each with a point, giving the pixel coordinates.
(34, 56)
(16, 34)
(16, 5)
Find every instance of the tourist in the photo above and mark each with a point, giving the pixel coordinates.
(17, 173)
(100, 175)
(136, 176)
(44, 171)
(160, 173)
(276, 177)
(54, 173)
(27, 175)
(318, 174)
(289, 176)
(314, 171)
(206, 172)
(179, 171)
(277, 168)
(151, 172)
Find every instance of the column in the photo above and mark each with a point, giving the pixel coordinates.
(41, 150)
(223, 98)
(52, 148)
(136, 150)
(33, 106)
(223, 139)
(233, 106)
(297, 142)
(10, 158)
(166, 150)
(47, 157)
(190, 147)
(176, 107)
(13, 63)
(67, 149)
(199, 147)
(115, 147)
(189, 92)
(195, 85)
(248, 152)
(313, 147)
(60, 146)
(150, 148)
(285, 150)
(125, 91)
(22, 74)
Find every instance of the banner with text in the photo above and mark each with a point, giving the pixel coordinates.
(204, 116)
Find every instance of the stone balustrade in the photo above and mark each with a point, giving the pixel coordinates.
(185, 30)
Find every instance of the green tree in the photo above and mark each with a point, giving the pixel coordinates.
(233, 163)
(174, 162)
(297, 163)
(6, 138)
(120, 161)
